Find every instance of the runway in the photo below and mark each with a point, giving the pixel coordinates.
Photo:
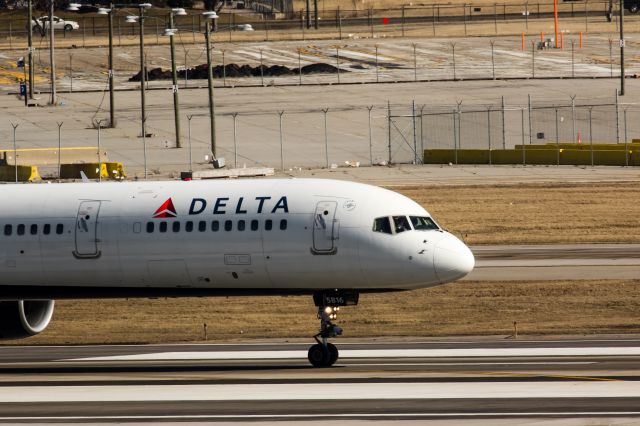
(476, 381)
(556, 262)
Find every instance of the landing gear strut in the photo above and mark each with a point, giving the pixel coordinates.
(323, 353)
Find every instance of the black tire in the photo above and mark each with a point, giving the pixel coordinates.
(333, 354)
(68, 27)
(318, 356)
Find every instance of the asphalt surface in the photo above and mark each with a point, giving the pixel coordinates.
(556, 262)
(481, 381)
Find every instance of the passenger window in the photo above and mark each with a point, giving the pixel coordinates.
(176, 226)
(163, 226)
(241, 225)
(34, 229)
(21, 229)
(188, 226)
(215, 226)
(382, 224)
(59, 229)
(283, 224)
(8, 230)
(228, 225)
(137, 227)
(46, 229)
(268, 225)
(202, 226)
(402, 224)
(423, 223)
(254, 225)
(150, 226)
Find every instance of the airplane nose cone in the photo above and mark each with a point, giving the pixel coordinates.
(452, 259)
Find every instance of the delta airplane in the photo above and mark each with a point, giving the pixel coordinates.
(329, 239)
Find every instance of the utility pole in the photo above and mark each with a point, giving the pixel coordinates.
(622, 48)
(212, 117)
(54, 99)
(112, 108)
(30, 46)
(174, 75)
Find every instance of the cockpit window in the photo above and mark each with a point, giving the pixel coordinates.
(422, 223)
(382, 224)
(401, 223)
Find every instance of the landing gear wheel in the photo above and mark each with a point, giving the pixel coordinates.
(319, 356)
(333, 354)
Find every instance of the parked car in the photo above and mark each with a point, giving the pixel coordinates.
(632, 5)
(58, 23)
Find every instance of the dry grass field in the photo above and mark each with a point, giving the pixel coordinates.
(464, 308)
(483, 215)
(517, 214)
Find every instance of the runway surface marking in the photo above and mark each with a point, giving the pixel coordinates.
(376, 353)
(321, 391)
(323, 415)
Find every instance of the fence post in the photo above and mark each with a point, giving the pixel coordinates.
(377, 75)
(557, 140)
(60, 150)
(235, 141)
(573, 118)
(338, 62)
(415, 63)
(533, 59)
(530, 125)
(453, 55)
(70, 72)
(573, 63)
(591, 135)
(326, 137)
(455, 138)
(524, 161)
(369, 108)
(493, 63)
(261, 70)
(189, 117)
(224, 71)
(464, 17)
(617, 118)
(280, 113)
(299, 67)
(489, 131)
(495, 17)
(504, 135)
(415, 134)
(610, 58)
(459, 124)
(626, 146)
(389, 125)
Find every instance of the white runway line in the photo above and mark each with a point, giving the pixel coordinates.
(321, 391)
(375, 353)
(324, 415)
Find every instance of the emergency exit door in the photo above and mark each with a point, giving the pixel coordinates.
(325, 228)
(86, 231)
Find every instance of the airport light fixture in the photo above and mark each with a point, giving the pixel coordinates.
(170, 32)
(112, 113)
(210, 16)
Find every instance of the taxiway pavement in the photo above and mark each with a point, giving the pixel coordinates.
(407, 382)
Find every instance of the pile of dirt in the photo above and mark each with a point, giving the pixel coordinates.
(235, 71)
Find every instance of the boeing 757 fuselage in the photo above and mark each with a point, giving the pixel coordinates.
(330, 239)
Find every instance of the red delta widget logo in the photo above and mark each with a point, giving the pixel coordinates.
(165, 210)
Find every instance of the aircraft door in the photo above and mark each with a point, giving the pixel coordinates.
(325, 228)
(86, 232)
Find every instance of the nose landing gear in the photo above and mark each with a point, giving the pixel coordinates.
(323, 353)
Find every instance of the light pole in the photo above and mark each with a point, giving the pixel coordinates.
(174, 74)
(112, 114)
(621, 47)
(52, 61)
(210, 15)
(30, 46)
(140, 20)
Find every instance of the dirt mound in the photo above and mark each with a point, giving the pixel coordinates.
(236, 71)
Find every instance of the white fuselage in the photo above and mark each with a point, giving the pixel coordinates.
(253, 236)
